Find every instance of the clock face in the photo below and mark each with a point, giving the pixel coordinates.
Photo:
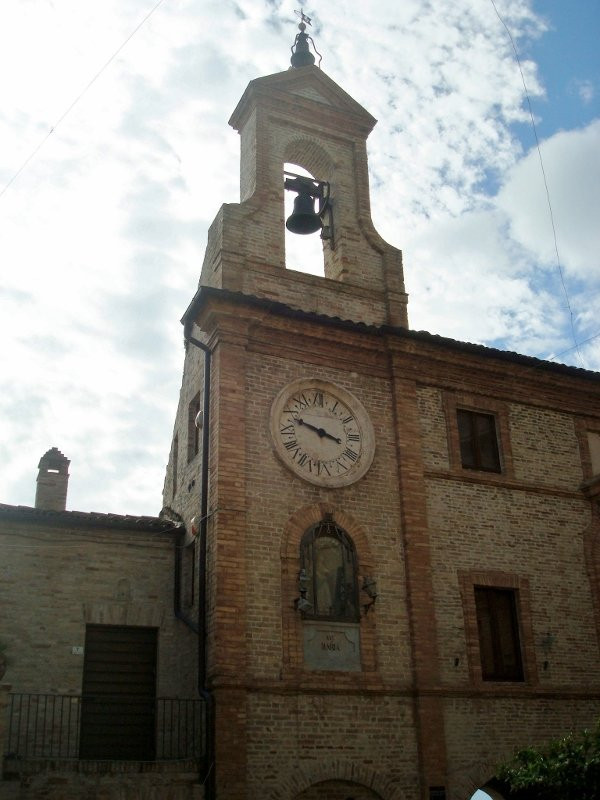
(322, 433)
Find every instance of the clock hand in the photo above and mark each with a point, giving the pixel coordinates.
(320, 431)
(300, 421)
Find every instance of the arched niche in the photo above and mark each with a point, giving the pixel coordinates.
(338, 790)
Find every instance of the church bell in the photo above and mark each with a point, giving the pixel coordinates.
(304, 219)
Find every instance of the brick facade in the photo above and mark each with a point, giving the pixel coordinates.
(417, 713)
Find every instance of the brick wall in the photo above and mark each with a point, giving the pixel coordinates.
(425, 527)
(371, 504)
(296, 741)
(55, 580)
(418, 713)
(103, 781)
(184, 498)
(488, 732)
(545, 447)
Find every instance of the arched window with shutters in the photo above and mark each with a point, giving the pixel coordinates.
(329, 565)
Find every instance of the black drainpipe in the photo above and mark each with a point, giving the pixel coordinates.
(199, 627)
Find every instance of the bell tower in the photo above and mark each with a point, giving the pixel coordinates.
(303, 117)
(288, 481)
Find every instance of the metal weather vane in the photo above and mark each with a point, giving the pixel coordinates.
(303, 18)
(301, 55)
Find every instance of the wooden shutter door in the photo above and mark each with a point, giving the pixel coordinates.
(119, 693)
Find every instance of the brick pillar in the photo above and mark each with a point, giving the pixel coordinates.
(227, 670)
(429, 712)
(52, 481)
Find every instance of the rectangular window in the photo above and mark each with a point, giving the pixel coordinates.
(497, 624)
(478, 440)
(193, 441)
(594, 445)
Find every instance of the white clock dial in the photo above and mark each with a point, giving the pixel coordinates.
(322, 433)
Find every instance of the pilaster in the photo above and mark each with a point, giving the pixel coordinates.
(429, 716)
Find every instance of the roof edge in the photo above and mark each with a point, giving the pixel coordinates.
(277, 307)
(88, 519)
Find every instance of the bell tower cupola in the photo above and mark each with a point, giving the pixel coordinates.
(302, 117)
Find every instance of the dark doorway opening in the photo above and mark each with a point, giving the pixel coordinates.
(118, 707)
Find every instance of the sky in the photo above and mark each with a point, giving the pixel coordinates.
(115, 155)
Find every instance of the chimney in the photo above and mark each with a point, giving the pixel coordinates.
(52, 481)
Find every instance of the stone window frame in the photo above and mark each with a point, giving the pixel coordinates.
(495, 608)
(590, 485)
(468, 580)
(455, 401)
(583, 426)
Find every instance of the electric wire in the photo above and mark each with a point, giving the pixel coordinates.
(539, 151)
(36, 150)
(568, 350)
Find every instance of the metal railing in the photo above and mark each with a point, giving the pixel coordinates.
(50, 726)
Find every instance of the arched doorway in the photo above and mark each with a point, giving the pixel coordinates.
(338, 790)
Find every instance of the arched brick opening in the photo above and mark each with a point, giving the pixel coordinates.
(290, 567)
(465, 784)
(311, 155)
(336, 779)
(306, 253)
(338, 790)
(302, 519)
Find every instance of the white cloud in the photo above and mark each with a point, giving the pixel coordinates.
(103, 232)
(489, 273)
(469, 282)
(572, 170)
(586, 91)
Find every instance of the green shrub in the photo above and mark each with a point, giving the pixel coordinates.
(565, 769)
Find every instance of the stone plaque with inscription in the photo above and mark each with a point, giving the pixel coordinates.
(332, 645)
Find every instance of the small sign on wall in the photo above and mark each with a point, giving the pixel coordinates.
(77, 650)
(332, 645)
